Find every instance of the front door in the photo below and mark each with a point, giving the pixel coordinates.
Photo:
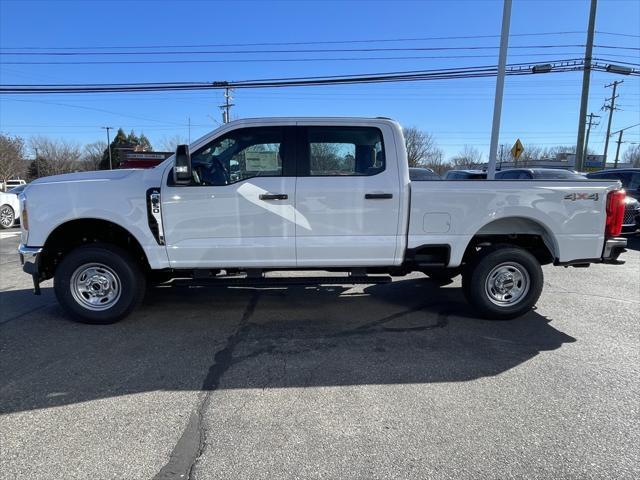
(347, 197)
(239, 209)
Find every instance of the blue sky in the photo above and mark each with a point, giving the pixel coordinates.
(541, 109)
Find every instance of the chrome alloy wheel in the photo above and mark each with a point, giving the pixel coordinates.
(6, 216)
(95, 286)
(507, 284)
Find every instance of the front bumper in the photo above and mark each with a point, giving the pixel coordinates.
(30, 260)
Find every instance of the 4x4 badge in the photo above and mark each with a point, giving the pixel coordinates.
(581, 196)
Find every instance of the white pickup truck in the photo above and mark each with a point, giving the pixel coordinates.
(329, 194)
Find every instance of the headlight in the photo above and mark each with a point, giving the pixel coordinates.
(24, 216)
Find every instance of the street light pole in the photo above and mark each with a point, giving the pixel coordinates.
(586, 77)
(497, 104)
(109, 146)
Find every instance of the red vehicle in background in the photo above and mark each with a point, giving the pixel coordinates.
(143, 159)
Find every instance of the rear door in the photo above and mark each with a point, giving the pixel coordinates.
(347, 196)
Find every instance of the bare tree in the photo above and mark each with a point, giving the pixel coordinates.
(530, 154)
(468, 157)
(169, 144)
(92, 155)
(632, 155)
(56, 156)
(437, 163)
(12, 164)
(421, 148)
(325, 157)
(504, 153)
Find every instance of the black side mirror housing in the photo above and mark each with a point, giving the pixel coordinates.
(182, 166)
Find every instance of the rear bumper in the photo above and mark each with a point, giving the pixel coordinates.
(613, 247)
(30, 260)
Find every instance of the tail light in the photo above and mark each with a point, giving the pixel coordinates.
(615, 213)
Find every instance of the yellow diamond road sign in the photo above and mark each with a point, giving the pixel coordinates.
(517, 149)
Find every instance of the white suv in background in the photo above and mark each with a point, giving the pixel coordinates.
(10, 206)
(12, 184)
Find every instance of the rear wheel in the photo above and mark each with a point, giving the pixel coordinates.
(99, 284)
(503, 282)
(7, 216)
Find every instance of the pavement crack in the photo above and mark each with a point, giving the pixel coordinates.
(190, 446)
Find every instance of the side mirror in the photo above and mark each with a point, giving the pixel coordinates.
(182, 166)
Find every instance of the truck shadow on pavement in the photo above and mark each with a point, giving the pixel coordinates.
(409, 331)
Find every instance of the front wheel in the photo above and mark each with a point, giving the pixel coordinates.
(503, 282)
(7, 216)
(99, 284)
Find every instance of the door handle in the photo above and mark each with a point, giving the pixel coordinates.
(378, 196)
(273, 196)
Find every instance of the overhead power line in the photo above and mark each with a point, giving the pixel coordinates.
(516, 69)
(314, 42)
(402, 76)
(306, 50)
(277, 60)
(618, 34)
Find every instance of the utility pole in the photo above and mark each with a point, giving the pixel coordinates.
(611, 107)
(497, 103)
(226, 108)
(615, 163)
(109, 146)
(586, 142)
(586, 77)
(189, 130)
(36, 162)
(619, 142)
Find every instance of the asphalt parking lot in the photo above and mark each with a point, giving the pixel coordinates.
(383, 381)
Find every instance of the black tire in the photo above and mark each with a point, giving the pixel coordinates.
(109, 265)
(7, 216)
(495, 268)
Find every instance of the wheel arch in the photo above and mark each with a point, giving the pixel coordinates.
(520, 231)
(73, 233)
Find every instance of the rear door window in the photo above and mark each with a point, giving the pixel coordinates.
(342, 151)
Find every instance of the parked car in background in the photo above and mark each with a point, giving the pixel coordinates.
(12, 184)
(417, 174)
(538, 174)
(465, 175)
(631, 220)
(10, 206)
(630, 179)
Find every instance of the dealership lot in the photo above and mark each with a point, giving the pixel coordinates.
(383, 381)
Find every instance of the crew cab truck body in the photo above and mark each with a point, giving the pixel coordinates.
(305, 193)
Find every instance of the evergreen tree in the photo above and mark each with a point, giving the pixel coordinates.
(121, 140)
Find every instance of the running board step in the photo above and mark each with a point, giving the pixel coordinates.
(268, 281)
